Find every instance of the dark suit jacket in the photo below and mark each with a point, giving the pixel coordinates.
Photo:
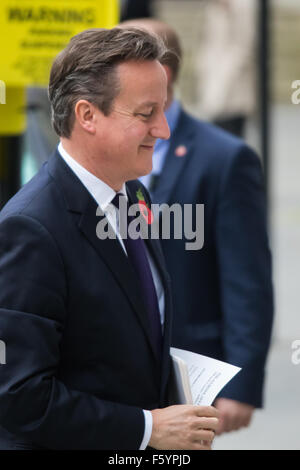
(80, 364)
(222, 293)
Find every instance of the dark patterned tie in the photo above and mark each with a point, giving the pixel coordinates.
(136, 251)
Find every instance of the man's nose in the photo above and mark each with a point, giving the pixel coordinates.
(161, 130)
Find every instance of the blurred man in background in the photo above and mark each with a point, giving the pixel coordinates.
(223, 297)
(226, 63)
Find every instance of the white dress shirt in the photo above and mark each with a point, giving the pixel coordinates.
(103, 195)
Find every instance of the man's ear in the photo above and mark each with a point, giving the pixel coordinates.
(86, 115)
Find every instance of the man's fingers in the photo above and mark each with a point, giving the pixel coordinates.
(204, 445)
(207, 435)
(221, 427)
(208, 411)
(183, 427)
(208, 423)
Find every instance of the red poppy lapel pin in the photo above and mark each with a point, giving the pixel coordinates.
(180, 151)
(145, 211)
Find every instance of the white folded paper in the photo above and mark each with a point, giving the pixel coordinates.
(198, 378)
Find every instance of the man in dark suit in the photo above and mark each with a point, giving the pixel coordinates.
(87, 367)
(223, 300)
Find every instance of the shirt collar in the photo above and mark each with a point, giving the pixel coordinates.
(101, 192)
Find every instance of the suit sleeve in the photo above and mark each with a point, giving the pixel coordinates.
(244, 261)
(34, 403)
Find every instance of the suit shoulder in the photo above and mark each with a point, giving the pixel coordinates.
(32, 198)
(214, 141)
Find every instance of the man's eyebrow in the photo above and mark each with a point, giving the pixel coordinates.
(147, 104)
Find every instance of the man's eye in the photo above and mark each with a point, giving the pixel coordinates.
(146, 116)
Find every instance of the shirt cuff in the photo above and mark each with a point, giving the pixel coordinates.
(148, 429)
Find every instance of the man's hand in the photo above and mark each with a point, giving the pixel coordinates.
(184, 427)
(233, 415)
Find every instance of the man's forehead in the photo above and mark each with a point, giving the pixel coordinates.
(137, 69)
(144, 81)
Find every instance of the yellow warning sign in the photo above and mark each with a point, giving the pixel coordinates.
(32, 32)
(12, 112)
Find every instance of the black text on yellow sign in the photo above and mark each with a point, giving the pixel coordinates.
(33, 32)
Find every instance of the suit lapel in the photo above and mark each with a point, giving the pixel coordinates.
(176, 158)
(115, 259)
(79, 201)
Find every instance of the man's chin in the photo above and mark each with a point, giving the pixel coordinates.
(141, 172)
(147, 170)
